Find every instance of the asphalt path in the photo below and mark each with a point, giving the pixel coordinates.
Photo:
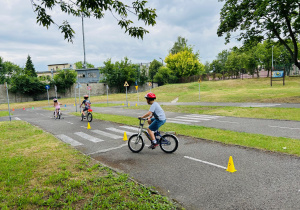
(277, 128)
(194, 175)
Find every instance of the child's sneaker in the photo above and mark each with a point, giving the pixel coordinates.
(153, 146)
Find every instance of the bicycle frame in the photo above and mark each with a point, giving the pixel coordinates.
(143, 130)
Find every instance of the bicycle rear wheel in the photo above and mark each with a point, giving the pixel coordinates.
(89, 117)
(136, 143)
(168, 143)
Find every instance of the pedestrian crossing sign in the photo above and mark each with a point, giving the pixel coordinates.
(199, 80)
(126, 84)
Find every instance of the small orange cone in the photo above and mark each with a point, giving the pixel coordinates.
(230, 167)
(13, 109)
(125, 137)
(24, 108)
(89, 126)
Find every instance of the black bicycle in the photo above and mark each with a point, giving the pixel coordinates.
(167, 142)
(88, 115)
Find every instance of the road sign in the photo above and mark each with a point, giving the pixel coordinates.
(47, 87)
(136, 87)
(89, 87)
(199, 80)
(78, 86)
(150, 83)
(126, 84)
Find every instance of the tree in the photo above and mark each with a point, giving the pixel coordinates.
(27, 85)
(96, 9)
(29, 69)
(117, 73)
(7, 69)
(184, 64)
(179, 45)
(260, 20)
(164, 76)
(153, 68)
(79, 65)
(64, 79)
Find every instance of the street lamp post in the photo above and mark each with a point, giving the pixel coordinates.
(162, 61)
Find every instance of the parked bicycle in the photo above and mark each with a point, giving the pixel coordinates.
(87, 115)
(167, 142)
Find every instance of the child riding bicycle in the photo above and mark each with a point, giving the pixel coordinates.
(156, 118)
(56, 104)
(87, 104)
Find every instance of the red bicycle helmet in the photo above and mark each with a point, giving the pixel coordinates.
(85, 96)
(150, 96)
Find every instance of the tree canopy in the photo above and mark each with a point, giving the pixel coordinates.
(97, 9)
(258, 20)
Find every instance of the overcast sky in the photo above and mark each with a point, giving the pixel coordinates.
(195, 20)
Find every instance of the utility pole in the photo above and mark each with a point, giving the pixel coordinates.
(84, 61)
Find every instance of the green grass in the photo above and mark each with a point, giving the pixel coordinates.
(4, 113)
(37, 171)
(250, 112)
(258, 141)
(247, 90)
(106, 105)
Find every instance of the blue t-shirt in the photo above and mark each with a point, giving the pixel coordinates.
(157, 111)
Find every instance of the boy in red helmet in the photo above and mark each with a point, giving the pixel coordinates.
(156, 118)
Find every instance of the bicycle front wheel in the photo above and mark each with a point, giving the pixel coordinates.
(90, 117)
(136, 143)
(168, 143)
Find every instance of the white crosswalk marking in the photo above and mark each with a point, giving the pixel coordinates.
(130, 128)
(88, 137)
(69, 140)
(192, 118)
(177, 122)
(120, 131)
(103, 133)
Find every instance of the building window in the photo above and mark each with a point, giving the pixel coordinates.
(81, 75)
(92, 75)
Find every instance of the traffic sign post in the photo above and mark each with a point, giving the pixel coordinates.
(150, 84)
(6, 87)
(47, 88)
(89, 89)
(199, 87)
(137, 92)
(126, 85)
(107, 93)
(55, 90)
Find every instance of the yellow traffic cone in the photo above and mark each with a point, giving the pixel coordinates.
(125, 137)
(135, 104)
(122, 104)
(89, 126)
(230, 167)
(74, 104)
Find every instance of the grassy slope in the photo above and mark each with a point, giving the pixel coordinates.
(247, 90)
(37, 171)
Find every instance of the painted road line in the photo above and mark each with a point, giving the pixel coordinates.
(192, 118)
(284, 127)
(130, 128)
(16, 118)
(88, 137)
(202, 161)
(70, 123)
(107, 150)
(178, 122)
(120, 131)
(69, 140)
(184, 120)
(204, 116)
(227, 122)
(103, 133)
